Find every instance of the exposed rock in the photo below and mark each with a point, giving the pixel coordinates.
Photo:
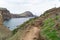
(5, 13)
(1, 20)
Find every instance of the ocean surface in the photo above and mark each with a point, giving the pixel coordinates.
(14, 22)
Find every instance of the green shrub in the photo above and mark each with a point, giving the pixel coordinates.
(49, 31)
(57, 17)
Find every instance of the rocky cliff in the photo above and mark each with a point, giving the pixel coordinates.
(5, 14)
(4, 31)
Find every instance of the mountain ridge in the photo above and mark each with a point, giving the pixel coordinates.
(23, 15)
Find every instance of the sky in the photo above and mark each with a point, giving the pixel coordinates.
(37, 7)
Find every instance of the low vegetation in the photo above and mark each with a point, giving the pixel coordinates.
(48, 30)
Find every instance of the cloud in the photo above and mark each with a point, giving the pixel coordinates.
(37, 7)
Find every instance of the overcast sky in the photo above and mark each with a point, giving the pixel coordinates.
(37, 7)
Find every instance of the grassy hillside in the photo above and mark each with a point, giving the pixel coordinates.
(48, 23)
(49, 30)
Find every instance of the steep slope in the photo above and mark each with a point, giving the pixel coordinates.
(5, 13)
(45, 27)
(4, 31)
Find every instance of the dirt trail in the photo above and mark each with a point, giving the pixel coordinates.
(32, 34)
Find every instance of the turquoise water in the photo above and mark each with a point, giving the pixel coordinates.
(14, 22)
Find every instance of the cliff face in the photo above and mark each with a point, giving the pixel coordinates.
(1, 20)
(5, 13)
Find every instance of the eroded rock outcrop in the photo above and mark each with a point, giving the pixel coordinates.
(5, 14)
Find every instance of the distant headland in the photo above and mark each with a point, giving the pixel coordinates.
(7, 15)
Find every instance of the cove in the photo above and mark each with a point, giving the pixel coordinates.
(14, 22)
